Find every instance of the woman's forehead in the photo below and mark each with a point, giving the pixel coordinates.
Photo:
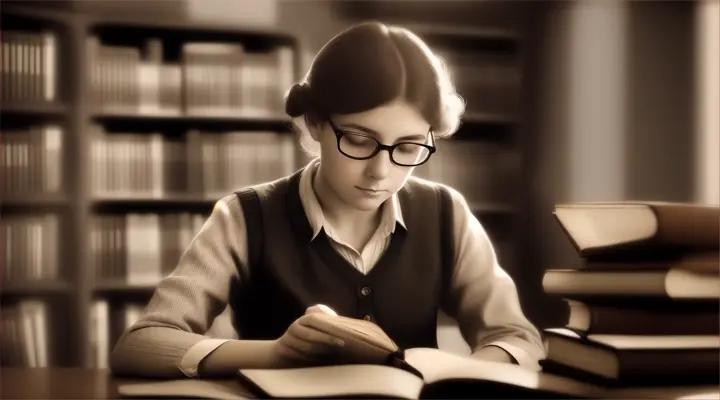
(393, 120)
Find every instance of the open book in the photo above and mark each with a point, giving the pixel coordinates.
(438, 374)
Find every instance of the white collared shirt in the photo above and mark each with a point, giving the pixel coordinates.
(362, 259)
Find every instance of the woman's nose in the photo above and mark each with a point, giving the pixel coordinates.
(379, 166)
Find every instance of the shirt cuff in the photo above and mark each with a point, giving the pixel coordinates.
(520, 355)
(192, 358)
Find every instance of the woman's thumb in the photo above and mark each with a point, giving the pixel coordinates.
(320, 308)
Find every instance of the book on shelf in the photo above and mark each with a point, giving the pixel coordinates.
(139, 248)
(32, 160)
(30, 248)
(645, 303)
(206, 79)
(29, 66)
(206, 165)
(25, 334)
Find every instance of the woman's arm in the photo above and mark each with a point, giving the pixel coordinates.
(169, 339)
(483, 297)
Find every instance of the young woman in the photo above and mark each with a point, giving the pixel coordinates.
(351, 231)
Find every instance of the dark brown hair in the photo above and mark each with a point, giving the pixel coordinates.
(372, 64)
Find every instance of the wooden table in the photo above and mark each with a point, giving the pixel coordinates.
(57, 383)
(78, 383)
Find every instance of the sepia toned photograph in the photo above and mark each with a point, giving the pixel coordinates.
(407, 199)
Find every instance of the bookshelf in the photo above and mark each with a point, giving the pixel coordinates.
(483, 158)
(151, 136)
(118, 136)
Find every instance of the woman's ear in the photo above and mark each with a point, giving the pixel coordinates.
(314, 128)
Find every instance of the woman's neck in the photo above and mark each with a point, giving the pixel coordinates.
(341, 216)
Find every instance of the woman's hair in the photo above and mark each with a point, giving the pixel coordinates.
(369, 65)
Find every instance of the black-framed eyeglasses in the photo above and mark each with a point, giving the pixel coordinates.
(363, 147)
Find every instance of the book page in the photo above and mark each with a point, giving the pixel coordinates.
(437, 365)
(336, 381)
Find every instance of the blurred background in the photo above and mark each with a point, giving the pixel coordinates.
(124, 121)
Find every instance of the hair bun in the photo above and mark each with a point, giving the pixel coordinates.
(297, 99)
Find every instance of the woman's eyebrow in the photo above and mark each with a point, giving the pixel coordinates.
(377, 134)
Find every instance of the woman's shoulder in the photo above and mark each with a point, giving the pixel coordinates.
(233, 201)
(417, 183)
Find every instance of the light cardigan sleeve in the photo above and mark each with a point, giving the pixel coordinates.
(483, 298)
(170, 338)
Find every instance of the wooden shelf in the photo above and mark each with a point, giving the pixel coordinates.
(33, 201)
(478, 40)
(39, 108)
(21, 9)
(131, 123)
(183, 29)
(459, 32)
(32, 288)
(178, 202)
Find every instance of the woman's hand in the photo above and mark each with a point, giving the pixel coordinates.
(304, 343)
(493, 353)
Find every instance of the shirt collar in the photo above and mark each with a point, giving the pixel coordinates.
(391, 211)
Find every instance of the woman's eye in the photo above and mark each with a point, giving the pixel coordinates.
(409, 148)
(359, 139)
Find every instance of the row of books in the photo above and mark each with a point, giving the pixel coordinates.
(482, 171)
(209, 79)
(29, 66)
(28, 334)
(644, 301)
(25, 332)
(140, 248)
(32, 160)
(204, 164)
(488, 83)
(30, 244)
(105, 326)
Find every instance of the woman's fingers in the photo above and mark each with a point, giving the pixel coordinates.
(311, 340)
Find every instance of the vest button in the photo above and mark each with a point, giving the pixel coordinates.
(367, 317)
(365, 291)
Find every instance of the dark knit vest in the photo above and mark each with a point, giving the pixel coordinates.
(288, 272)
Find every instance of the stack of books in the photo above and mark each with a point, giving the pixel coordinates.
(644, 305)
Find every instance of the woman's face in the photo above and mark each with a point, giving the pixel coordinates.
(365, 184)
